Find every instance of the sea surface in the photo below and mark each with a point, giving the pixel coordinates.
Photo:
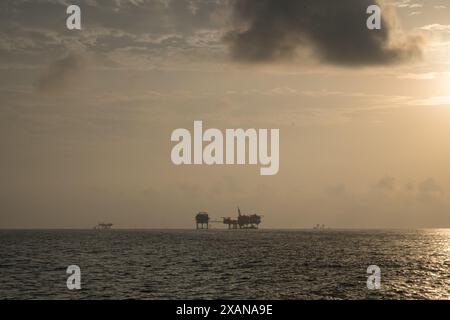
(225, 264)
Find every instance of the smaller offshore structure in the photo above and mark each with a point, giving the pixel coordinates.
(103, 226)
(202, 220)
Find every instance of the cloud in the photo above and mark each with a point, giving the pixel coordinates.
(429, 190)
(335, 32)
(124, 33)
(386, 183)
(431, 101)
(336, 190)
(420, 76)
(436, 27)
(406, 4)
(62, 73)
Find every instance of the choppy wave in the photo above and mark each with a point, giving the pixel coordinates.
(223, 264)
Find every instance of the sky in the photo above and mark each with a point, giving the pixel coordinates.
(86, 115)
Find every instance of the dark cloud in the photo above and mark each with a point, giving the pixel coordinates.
(336, 32)
(62, 73)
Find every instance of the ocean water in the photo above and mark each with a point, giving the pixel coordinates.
(223, 264)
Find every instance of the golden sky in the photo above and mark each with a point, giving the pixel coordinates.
(86, 116)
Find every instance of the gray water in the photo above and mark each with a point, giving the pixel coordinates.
(222, 264)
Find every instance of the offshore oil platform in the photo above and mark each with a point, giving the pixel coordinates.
(242, 221)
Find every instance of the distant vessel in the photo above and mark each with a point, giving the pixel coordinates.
(103, 226)
(319, 227)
